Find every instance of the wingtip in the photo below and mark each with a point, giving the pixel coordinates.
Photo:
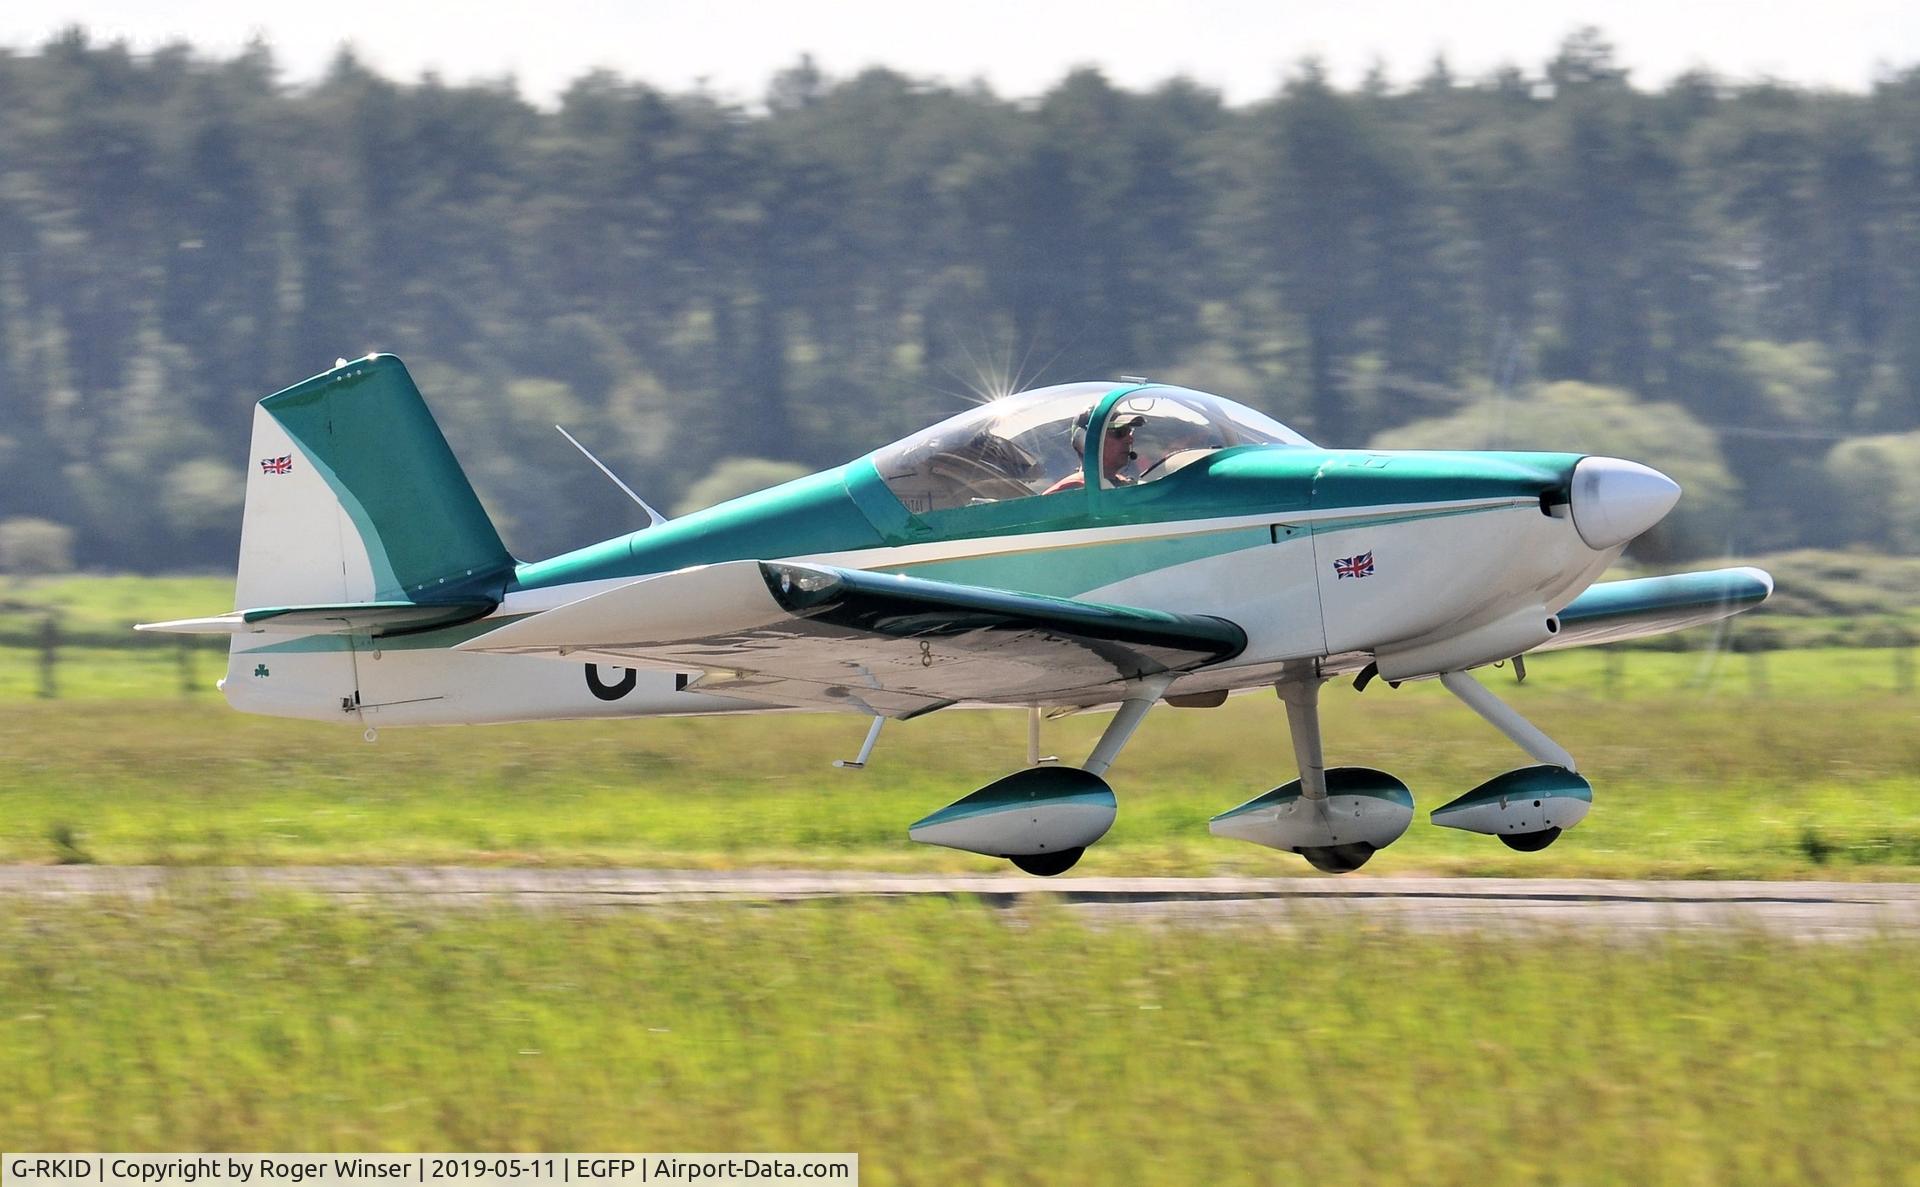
(219, 624)
(1762, 576)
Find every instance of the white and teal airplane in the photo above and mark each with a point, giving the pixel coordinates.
(995, 559)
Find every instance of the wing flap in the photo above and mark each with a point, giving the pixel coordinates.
(870, 642)
(1614, 611)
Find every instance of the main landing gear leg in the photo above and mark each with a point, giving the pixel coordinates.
(866, 748)
(1044, 817)
(1142, 696)
(1034, 757)
(1302, 698)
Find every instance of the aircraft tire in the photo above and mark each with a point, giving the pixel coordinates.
(1337, 859)
(1046, 865)
(1530, 842)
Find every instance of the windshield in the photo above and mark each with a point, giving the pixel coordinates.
(1031, 444)
(1173, 427)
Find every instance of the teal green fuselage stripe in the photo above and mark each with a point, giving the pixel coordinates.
(1072, 571)
(807, 516)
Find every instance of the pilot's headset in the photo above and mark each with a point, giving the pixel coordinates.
(1115, 422)
(1078, 437)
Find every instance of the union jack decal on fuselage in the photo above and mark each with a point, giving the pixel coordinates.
(1353, 566)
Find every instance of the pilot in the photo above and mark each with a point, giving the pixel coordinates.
(1115, 452)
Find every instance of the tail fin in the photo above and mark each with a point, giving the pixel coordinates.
(354, 496)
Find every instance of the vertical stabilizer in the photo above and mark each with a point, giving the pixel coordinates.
(354, 496)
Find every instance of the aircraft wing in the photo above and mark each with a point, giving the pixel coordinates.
(879, 643)
(1613, 611)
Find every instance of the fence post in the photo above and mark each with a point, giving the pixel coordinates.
(49, 656)
(1611, 673)
(1898, 642)
(1757, 671)
(184, 658)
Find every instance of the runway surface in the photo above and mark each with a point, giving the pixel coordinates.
(1810, 910)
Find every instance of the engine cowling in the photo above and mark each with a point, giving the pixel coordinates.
(1508, 635)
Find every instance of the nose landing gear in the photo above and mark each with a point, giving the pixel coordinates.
(1336, 819)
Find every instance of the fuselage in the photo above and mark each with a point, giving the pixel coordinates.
(1266, 536)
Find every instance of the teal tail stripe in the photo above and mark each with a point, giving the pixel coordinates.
(370, 435)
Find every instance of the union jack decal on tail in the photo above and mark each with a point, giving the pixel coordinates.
(1353, 566)
(277, 465)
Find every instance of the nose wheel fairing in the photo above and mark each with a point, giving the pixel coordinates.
(1336, 819)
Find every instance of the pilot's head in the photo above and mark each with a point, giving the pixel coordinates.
(1117, 450)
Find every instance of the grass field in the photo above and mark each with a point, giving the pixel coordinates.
(100, 604)
(950, 1043)
(1700, 769)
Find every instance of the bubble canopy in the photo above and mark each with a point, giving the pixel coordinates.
(1031, 444)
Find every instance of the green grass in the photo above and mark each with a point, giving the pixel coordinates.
(83, 674)
(950, 1043)
(110, 603)
(1697, 773)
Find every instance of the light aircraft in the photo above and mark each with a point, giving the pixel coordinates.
(1066, 548)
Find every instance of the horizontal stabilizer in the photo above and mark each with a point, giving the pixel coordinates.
(877, 643)
(347, 618)
(1614, 611)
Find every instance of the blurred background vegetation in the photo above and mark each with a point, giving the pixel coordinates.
(1722, 279)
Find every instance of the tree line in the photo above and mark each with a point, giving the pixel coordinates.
(1719, 277)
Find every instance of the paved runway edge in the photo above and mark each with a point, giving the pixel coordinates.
(1802, 909)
